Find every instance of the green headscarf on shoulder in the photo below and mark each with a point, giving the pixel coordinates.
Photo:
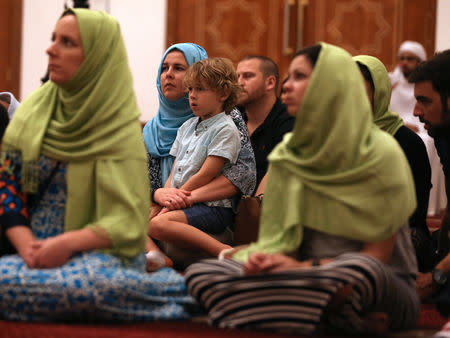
(383, 117)
(336, 172)
(91, 122)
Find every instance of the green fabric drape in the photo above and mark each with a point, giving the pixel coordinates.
(383, 117)
(336, 172)
(92, 123)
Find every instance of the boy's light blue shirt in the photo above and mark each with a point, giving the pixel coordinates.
(216, 136)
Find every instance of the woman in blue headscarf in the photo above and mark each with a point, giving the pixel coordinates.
(160, 133)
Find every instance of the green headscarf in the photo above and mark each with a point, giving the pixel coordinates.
(382, 115)
(92, 123)
(336, 172)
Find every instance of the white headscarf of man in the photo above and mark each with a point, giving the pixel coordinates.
(402, 99)
(413, 47)
(397, 77)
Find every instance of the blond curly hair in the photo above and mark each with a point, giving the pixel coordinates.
(219, 75)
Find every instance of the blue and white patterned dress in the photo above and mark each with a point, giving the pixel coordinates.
(91, 286)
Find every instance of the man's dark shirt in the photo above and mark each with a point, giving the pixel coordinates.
(416, 154)
(442, 144)
(268, 135)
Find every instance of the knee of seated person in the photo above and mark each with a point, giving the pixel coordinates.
(156, 226)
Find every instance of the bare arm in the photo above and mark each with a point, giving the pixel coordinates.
(219, 188)
(22, 238)
(210, 169)
(425, 285)
(259, 262)
(170, 198)
(169, 179)
(56, 251)
(261, 186)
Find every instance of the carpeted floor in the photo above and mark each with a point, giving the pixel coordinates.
(154, 330)
(429, 322)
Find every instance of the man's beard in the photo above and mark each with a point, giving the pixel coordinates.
(242, 101)
(406, 73)
(251, 98)
(443, 128)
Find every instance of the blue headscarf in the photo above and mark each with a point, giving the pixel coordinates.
(161, 131)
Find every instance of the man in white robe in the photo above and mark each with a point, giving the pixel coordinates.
(410, 54)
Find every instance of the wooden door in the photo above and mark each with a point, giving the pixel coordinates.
(10, 40)
(229, 28)
(374, 27)
(277, 28)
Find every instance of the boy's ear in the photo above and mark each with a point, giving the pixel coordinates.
(224, 96)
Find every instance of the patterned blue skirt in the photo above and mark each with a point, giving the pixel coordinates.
(91, 286)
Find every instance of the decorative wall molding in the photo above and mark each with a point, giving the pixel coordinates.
(254, 14)
(343, 14)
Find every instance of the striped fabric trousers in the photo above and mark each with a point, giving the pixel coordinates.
(297, 300)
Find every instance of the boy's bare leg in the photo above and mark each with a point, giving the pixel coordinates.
(155, 258)
(150, 245)
(173, 227)
(154, 210)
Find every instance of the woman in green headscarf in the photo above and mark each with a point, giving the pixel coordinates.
(74, 189)
(378, 89)
(334, 218)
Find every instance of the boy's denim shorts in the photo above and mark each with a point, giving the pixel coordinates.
(213, 220)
